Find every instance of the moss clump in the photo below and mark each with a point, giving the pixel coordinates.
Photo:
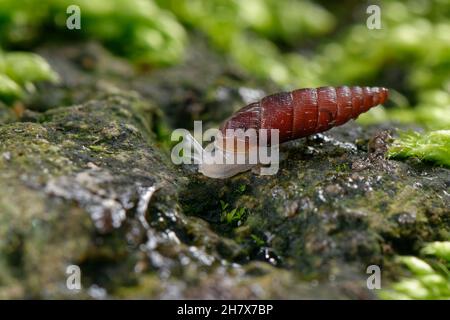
(248, 31)
(428, 280)
(432, 146)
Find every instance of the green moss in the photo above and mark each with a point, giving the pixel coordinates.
(97, 148)
(342, 167)
(322, 216)
(258, 241)
(25, 67)
(50, 184)
(432, 146)
(438, 249)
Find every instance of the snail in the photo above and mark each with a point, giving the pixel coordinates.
(275, 119)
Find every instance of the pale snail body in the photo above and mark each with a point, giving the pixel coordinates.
(295, 114)
(223, 171)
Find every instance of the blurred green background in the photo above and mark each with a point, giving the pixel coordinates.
(294, 43)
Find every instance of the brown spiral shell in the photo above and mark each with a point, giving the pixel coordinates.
(303, 112)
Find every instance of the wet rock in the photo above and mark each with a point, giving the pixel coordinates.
(87, 185)
(319, 215)
(86, 179)
(86, 71)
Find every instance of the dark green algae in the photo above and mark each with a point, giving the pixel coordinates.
(92, 184)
